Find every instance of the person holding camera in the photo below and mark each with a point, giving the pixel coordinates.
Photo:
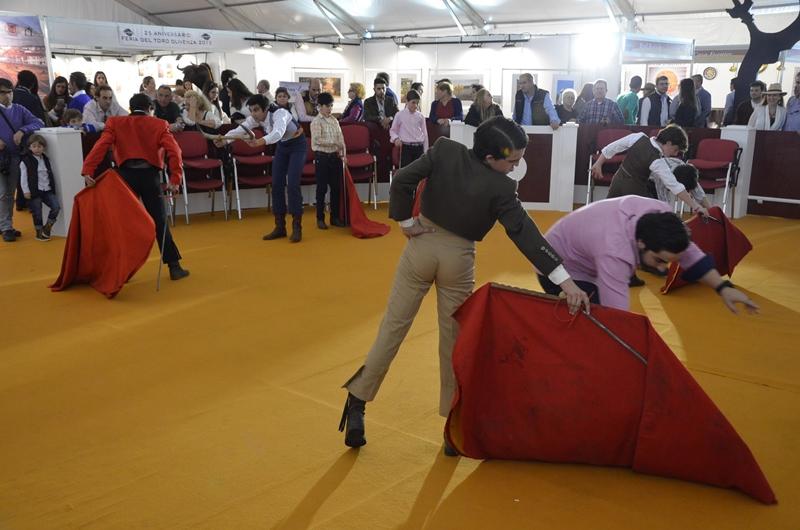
(15, 122)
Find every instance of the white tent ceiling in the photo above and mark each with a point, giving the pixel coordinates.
(304, 17)
(702, 20)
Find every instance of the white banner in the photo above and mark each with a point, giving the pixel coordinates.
(163, 38)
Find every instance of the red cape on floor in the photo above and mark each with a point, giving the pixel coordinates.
(534, 385)
(360, 224)
(109, 239)
(726, 243)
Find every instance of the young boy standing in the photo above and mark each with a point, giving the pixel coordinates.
(327, 142)
(409, 130)
(38, 185)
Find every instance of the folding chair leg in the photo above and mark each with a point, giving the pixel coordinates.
(727, 183)
(185, 198)
(224, 193)
(236, 187)
(213, 196)
(589, 182)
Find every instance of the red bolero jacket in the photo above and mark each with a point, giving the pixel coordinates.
(137, 136)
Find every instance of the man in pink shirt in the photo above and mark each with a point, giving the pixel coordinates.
(604, 242)
(409, 130)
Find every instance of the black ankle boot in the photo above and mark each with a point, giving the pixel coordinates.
(297, 229)
(353, 422)
(279, 231)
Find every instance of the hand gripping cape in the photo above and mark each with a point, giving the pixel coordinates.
(534, 383)
(110, 237)
(360, 225)
(717, 237)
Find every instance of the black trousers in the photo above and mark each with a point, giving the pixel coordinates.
(328, 173)
(410, 153)
(146, 184)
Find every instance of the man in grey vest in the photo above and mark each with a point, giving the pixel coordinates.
(532, 105)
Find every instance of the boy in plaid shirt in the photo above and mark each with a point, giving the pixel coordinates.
(327, 142)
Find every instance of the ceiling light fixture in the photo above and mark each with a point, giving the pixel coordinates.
(476, 45)
(87, 58)
(510, 44)
(302, 46)
(337, 47)
(367, 35)
(266, 45)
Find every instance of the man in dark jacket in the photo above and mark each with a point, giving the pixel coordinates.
(379, 108)
(26, 93)
(532, 105)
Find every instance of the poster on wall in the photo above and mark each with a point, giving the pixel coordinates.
(22, 47)
(463, 82)
(674, 72)
(561, 83)
(330, 80)
(406, 80)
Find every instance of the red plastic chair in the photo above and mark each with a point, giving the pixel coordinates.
(714, 156)
(360, 162)
(397, 152)
(251, 157)
(604, 137)
(309, 174)
(194, 151)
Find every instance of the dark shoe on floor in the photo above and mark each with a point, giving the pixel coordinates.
(338, 222)
(47, 228)
(321, 224)
(41, 236)
(297, 230)
(17, 233)
(353, 422)
(652, 270)
(277, 233)
(9, 236)
(449, 450)
(635, 281)
(176, 272)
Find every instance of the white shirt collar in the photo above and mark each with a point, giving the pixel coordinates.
(7, 106)
(78, 93)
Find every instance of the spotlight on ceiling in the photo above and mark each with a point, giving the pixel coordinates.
(121, 59)
(337, 47)
(302, 46)
(476, 45)
(266, 45)
(367, 35)
(178, 58)
(87, 58)
(510, 44)
(159, 58)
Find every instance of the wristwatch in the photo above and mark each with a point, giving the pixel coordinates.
(721, 286)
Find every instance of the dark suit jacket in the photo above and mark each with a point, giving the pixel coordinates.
(466, 197)
(371, 108)
(24, 97)
(137, 136)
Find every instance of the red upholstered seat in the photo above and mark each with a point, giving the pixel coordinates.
(198, 169)
(604, 137)
(718, 164)
(360, 161)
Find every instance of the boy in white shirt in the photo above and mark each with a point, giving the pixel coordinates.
(38, 185)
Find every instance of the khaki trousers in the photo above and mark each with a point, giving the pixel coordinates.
(439, 257)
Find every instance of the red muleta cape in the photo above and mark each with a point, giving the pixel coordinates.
(360, 225)
(723, 241)
(109, 239)
(532, 385)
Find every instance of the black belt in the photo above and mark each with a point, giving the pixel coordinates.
(327, 155)
(420, 144)
(137, 163)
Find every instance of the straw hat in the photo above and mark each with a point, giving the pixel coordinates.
(775, 89)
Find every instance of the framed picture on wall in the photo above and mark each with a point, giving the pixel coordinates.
(399, 80)
(561, 83)
(674, 72)
(463, 82)
(332, 81)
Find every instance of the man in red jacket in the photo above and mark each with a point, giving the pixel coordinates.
(139, 142)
